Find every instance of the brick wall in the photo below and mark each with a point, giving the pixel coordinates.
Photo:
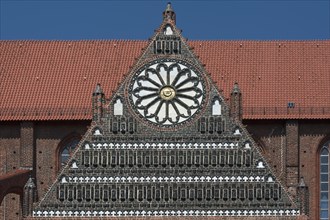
(270, 135)
(292, 155)
(48, 136)
(14, 211)
(312, 135)
(10, 143)
(277, 138)
(27, 144)
(3, 159)
(276, 144)
(9, 161)
(16, 147)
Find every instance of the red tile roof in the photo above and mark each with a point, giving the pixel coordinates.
(54, 80)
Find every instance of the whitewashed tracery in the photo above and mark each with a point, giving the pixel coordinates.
(167, 93)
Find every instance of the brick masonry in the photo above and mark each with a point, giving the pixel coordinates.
(10, 207)
(10, 161)
(27, 145)
(291, 147)
(188, 218)
(48, 137)
(271, 136)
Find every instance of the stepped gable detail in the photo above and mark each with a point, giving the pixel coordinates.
(165, 145)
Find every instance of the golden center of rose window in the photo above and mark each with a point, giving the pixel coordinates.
(167, 93)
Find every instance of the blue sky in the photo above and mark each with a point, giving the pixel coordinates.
(213, 19)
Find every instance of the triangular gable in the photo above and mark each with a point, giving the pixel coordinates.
(166, 145)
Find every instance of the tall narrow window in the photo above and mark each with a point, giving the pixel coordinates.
(66, 151)
(324, 181)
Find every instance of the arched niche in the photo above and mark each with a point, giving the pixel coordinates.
(118, 107)
(216, 107)
(97, 131)
(168, 30)
(11, 205)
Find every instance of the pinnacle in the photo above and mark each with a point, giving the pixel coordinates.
(98, 89)
(169, 13)
(169, 7)
(30, 183)
(302, 182)
(236, 88)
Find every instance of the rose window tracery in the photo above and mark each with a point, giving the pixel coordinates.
(167, 93)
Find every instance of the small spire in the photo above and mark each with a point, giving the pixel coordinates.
(30, 183)
(236, 103)
(169, 7)
(302, 183)
(169, 13)
(98, 89)
(236, 89)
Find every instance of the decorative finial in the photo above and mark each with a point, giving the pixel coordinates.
(169, 14)
(169, 7)
(98, 89)
(302, 183)
(30, 183)
(236, 89)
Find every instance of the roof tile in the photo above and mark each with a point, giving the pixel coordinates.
(54, 80)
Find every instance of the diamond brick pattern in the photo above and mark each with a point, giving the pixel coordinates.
(127, 166)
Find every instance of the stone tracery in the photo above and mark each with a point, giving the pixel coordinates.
(167, 93)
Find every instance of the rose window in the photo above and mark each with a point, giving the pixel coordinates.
(167, 93)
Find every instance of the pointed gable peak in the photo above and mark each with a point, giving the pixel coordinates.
(167, 39)
(167, 106)
(169, 14)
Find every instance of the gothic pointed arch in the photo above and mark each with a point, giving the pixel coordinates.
(216, 106)
(118, 106)
(65, 148)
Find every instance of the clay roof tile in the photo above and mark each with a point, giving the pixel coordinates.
(54, 80)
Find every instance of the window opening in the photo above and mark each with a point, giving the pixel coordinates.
(324, 182)
(67, 151)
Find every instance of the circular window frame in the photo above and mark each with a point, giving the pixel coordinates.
(202, 82)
